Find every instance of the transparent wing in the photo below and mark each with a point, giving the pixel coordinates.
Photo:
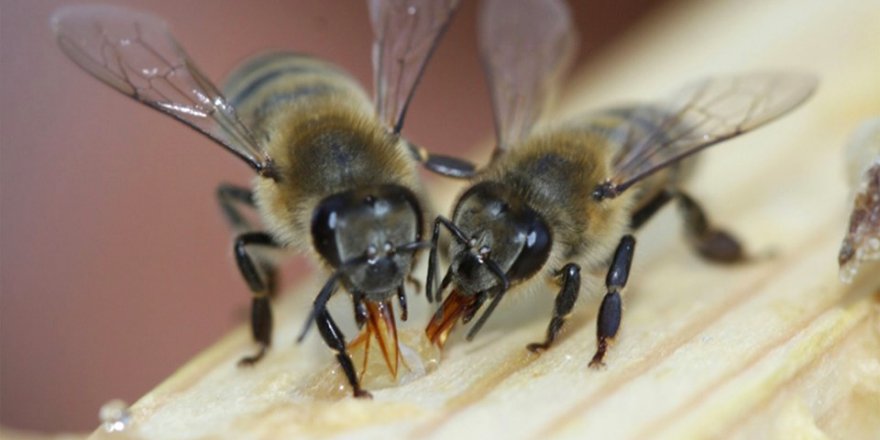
(134, 53)
(525, 44)
(406, 32)
(702, 114)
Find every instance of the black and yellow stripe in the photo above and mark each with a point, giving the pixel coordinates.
(267, 82)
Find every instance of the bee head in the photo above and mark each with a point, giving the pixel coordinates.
(502, 239)
(370, 235)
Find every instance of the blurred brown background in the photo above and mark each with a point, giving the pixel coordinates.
(116, 265)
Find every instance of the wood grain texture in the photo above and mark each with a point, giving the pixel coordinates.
(775, 348)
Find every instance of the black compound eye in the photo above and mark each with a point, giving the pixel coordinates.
(353, 225)
(535, 250)
(324, 223)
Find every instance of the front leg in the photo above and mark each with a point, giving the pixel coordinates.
(611, 310)
(334, 339)
(431, 281)
(262, 287)
(565, 299)
(443, 165)
(401, 299)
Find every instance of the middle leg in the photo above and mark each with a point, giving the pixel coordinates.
(334, 339)
(611, 310)
(262, 287)
(571, 286)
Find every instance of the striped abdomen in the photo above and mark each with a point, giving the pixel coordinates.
(268, 82)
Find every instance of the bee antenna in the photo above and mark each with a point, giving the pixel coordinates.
(505, 284)
(413, 246)
(499, 273)
(430, 282)
(457, 233)
(326, 292)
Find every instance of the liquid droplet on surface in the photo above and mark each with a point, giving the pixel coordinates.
(115, 416)
(418, 358)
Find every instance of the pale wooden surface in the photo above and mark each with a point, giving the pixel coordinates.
(776, 348)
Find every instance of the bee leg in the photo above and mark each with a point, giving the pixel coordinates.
(336, 341)
(417, 285)
(360, 310)
(443, 165)
(401, 298)
(611, 310)
(644, 213)
(262, 288)
(565, 299)
(450, 166)
(712, 243)
(229, 197)
(431, 281)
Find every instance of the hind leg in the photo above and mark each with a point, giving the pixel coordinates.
(710, 241)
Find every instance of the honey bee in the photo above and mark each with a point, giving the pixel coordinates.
(334, 177)
(566, 198)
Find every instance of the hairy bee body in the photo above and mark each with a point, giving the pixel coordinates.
(554, 174)
(320, 128)
(568, 198)
(334, 178)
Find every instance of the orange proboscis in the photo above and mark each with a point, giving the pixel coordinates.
(454, 307)
(381, 325)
